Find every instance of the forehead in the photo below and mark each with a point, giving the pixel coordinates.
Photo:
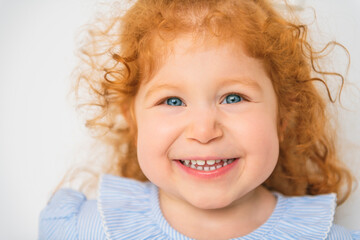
(160, 50)
(226, 64)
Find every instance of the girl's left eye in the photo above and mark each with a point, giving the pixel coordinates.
(174, 101)
(232, 98)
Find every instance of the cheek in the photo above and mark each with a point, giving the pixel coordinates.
(148, 150)
(260, 144)
(155, 133)
(159, 129)
(155, 136)
(258, 134)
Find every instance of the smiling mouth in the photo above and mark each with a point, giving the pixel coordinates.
(207, 165)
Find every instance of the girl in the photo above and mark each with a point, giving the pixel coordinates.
(224, 133)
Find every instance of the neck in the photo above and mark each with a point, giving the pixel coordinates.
(235, 220)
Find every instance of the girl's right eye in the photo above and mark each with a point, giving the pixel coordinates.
(174, 101)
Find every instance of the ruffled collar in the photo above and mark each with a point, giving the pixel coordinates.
(131, 210)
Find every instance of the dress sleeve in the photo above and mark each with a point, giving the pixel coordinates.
(338, 232)
(355, 235)
(59, 219)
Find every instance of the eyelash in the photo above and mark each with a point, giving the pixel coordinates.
(166, 99)
(243, 98)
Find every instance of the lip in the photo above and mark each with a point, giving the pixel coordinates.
(207, 174)
(205, 158)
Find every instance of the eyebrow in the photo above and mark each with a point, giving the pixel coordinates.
(226, 81)
(159, 87)
(243, 81)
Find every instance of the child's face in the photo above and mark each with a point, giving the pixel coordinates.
(211, 103)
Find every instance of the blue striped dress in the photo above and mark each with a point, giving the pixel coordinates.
(128, 209)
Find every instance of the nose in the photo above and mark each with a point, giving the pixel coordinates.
(204, 126)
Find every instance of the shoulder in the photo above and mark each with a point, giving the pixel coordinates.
(121, 203)
(303, 217)
(69, 215)
(130, 210)
(310, 217)
(338, 232)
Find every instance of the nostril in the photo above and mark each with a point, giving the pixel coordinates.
(204, 132)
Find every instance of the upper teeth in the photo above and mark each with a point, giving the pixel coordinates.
(210, 164)
(202, 162)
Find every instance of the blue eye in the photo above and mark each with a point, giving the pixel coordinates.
(174, 101)
(232, 98)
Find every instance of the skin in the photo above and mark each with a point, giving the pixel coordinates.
(206, 125)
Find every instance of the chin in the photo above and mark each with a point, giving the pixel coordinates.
(210, 203)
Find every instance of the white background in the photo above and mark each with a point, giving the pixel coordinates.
(40, 134)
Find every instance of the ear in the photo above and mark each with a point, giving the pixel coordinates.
(127, 110)
(282, 128)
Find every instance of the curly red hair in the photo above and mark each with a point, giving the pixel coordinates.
(123, 50)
